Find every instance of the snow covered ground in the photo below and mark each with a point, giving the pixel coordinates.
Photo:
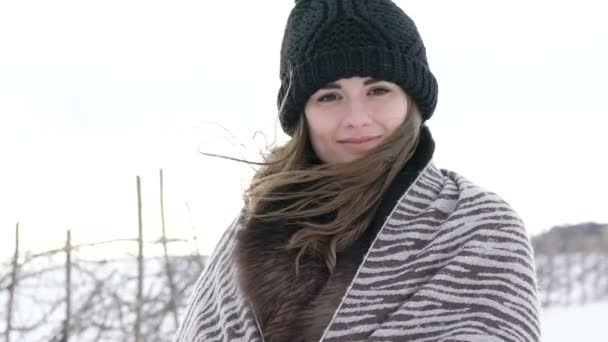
(587, 323)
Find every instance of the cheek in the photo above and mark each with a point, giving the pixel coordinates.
(393, 117)
(320, 136)
(322, 132)
(322, 126)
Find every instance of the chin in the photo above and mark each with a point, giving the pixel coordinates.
(341, 157)
(348, 158)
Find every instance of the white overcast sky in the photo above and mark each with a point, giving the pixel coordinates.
(93, 93)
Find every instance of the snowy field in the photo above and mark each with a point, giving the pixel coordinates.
(586, 323)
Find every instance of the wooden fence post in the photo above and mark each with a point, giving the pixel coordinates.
(199, 259)
(173, 299)
(140, 267)
(12, 286)
(68, 285)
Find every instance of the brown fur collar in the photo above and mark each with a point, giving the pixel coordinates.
(269, 282)
(289, 306)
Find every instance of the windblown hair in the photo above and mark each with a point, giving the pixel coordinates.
(330, 205)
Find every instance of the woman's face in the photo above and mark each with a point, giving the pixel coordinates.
(350, 116)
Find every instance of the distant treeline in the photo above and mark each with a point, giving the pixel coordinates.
(572, 264)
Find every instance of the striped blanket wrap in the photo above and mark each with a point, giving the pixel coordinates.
(452, 262)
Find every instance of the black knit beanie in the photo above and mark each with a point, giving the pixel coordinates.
(326, 40)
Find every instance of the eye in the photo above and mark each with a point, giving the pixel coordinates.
(378, 91)
(328, 97)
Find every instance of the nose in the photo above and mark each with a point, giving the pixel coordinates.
(358, 114)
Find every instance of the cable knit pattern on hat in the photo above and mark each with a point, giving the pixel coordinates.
(326, 40)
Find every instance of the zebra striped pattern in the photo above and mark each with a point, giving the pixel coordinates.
(452, 263)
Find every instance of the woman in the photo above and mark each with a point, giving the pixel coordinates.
(349, 231)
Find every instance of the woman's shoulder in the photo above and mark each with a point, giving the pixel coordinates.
(477, 221)
(475, 204)
(472, 192)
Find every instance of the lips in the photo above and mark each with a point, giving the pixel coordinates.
(358, 140)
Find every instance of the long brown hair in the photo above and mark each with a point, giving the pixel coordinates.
(331, 205)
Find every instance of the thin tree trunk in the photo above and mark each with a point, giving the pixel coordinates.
(140, 265)
(552, 276)
(569, 278)
(12, 286)
(173, 299)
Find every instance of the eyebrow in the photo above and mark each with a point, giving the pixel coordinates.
(333, 85)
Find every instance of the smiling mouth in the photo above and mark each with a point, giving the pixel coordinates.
(358, 140)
